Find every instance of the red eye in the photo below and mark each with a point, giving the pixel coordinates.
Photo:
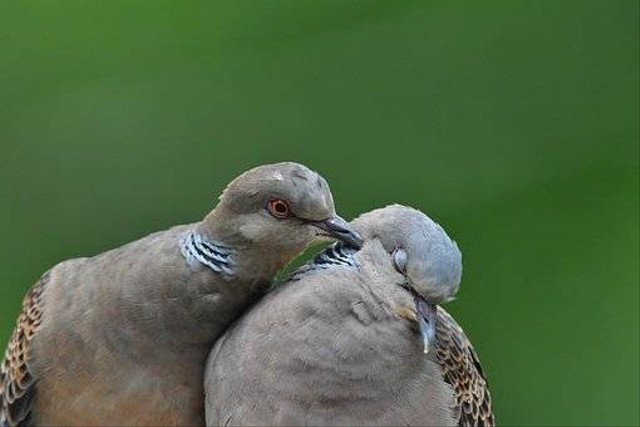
(279, 208)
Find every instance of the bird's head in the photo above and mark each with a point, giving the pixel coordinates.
(429, 262)
(281, 207)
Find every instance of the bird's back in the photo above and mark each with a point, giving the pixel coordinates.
(78, 355)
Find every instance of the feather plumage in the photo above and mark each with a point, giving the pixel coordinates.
(463, 371)
(17, 383)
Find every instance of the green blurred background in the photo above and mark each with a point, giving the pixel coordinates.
(514, 124)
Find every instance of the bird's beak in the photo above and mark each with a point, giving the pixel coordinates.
(340, 229)
(426, 314)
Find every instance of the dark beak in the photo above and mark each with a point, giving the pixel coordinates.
(426, 314)
(340, 229)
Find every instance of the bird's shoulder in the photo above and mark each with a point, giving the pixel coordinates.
(463, 371)
(17, 379)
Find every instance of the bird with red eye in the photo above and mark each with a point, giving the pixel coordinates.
(279, 208)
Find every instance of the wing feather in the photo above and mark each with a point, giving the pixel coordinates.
(463, 371)
(17, 383)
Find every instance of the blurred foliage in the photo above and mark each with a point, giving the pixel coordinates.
(514, 124)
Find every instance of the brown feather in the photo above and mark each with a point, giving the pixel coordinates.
(463, 371)
(17, 385)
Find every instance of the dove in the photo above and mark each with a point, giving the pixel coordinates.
(122, 338)
(355, 338)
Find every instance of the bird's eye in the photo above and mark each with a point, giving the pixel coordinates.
(399, 258)
(279, 208)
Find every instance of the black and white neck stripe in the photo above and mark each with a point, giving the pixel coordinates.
(196, 249)
(337, 254)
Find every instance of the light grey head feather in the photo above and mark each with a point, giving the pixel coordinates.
(306, 191)
(433, 260)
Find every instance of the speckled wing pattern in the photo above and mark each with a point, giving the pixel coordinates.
(17, 384)
(463, 371)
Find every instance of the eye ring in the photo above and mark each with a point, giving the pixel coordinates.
(279, 209)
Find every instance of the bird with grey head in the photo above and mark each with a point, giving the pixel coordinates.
(274, 212)
(429, 261)
(121, 338)
(355, 338)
